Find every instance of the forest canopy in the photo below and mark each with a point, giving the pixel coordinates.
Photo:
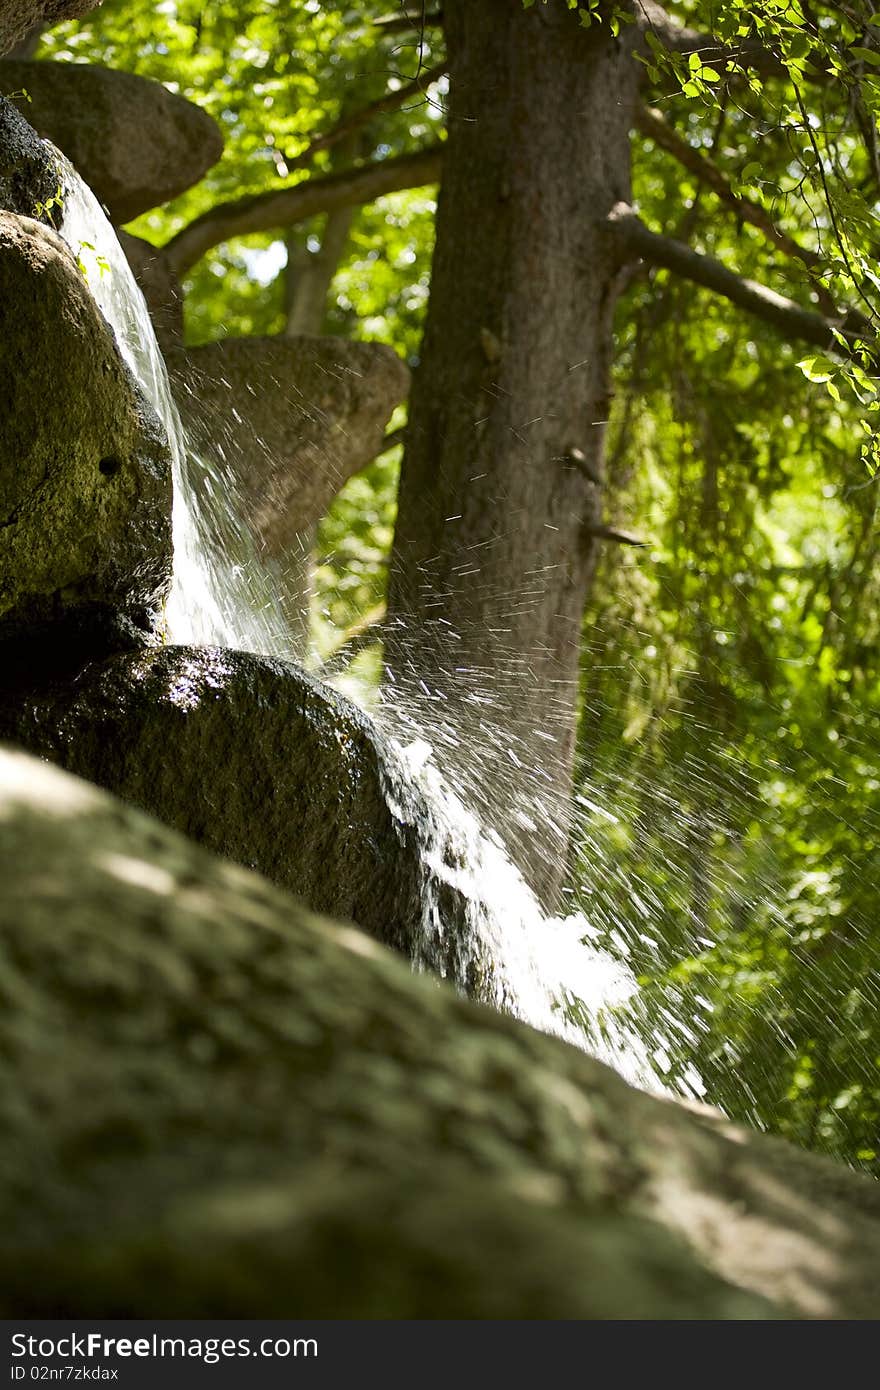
(726, 836)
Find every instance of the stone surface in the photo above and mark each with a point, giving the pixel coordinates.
(249, 757)
(136, 144)
(18, 17)
(29, 174)
(214, 1104)
(312, 412)
(85, 486)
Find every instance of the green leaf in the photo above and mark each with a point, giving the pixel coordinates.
(867, 55)
(818, 368)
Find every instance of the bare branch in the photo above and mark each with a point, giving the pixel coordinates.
(283, 207)
(392, 101)
(310, 274)
(785, 315)
(403, 23)
(601, 532)
(361, 635)
(392, 439)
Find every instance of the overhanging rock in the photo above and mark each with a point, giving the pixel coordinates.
(160, 287)
(18, 17)
(295, 418)
(136, 144)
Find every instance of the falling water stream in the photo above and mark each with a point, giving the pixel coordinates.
(214, 600)
(546, 971)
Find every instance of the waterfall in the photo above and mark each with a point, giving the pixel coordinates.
(220, 594)
(549, 972)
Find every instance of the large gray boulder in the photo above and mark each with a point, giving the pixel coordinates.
(135, 143)
(216, 1105)
(85, 485)
(19, 17)
(295, 418)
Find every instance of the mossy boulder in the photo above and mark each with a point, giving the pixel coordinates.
(30, 176)
(214, 1104)
(85, 484)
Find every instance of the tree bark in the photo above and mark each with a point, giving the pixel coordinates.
(501, 483)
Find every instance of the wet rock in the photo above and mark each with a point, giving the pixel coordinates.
(30, 179)
(214, 1104)
(258, 761)
(19, 17)
(295, 418)
(85, 486)
(249, 757)
(136, 144)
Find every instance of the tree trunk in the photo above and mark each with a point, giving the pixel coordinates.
(307, 288)
(311, 273)
(501, 484)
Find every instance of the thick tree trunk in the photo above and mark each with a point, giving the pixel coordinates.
(501, 482)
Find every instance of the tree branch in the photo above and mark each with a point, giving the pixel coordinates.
(283, 207)
(392, 439)
(392, 101)
(650, 122)
(362, 634)
(312, 274)
(785, 315)
(403, 23)
(601, 532)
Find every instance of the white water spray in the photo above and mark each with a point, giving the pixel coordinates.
(549, 972)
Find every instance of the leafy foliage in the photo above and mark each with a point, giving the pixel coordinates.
(730, 683)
